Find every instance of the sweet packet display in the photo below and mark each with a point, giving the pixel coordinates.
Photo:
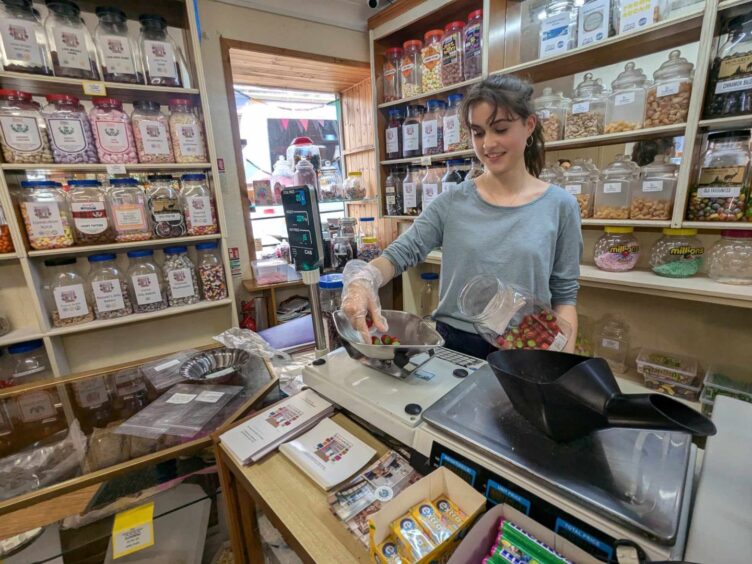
(516, 546)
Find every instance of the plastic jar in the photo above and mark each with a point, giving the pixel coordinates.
(430, 55)
(588, 109)
(23, 43)
(117, 52)
(473, 45)
(67, 295)
(626, 103)
(282, 176)
(198, 205)
(578, 181)
(410, 68)
(678, 254)
(633, 15)
(452, 177)
(722, 187)
(411, 132)
(369, 249)
(342, 252)
(165, 208)
(551, 110)
(305, 174)
(23, 131)
(28, 362)
(6, 241)
(161, 58)
(730, 259)
(330, 184)
(91, 222)
(367, 227)
(330, 295)
(71, 45)
(393, 191)
(430, 185)
(612, 343)
(304, 147)
(668, 99)
(653, 195)
(553, 174)
(355, 189)
(393, 135)
(617, 250)
(211, 272)
(456, 137)
(151, 132)
(46, 214)
(729, 89)
(613, 193)
(390, 72)
(108, 287)
(432, 128)
(69, 131)
(412, 194)
(429, 294)
(452, 53)
(558, 28)
(187, 132)
(180, 277)
(145, 282)
(128, 210)
(112, 131)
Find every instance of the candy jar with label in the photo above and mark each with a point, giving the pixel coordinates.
(412, 195)
(634, 15)
(211, 272)
(91, 221)
(452, 177)
(553, 174)
(355, 188)
(430, 69)
(66, 293)
(393, 134)
(46, 214)
(410, 68)
(617, 250)
(588, 109)
(653, 194)
(92, 397)
(187, 132)
(6, 241)
(730, 259)
(23, 43)
(456, 137)
(452, 53)
(69, 131)
(393, 191)
(109, 287)
(430, 185)
(131, 393)
(112, 131)
(198, 205)
(165, 208)
(578, 181)
(558, 28)
(411, 132)
(128, 209)
(722, 189)
(23, 131)
(282, 176)
(730, 82)
(390, 73)
(330, 183)
(118, 53)
(612, 343)
(613, 193)
(348, 227)
(145, 282)
(73, 52)
(626, 103)
(668, 99)
(678, 254)
(151, 131)
(473, 45)
(432, 128)
(180, 277)
(551, 110)
(162, 59)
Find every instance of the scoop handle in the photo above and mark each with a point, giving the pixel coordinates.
(656, 411)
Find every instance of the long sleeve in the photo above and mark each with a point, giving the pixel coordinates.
(566, 269)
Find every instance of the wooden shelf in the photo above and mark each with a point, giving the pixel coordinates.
(728, 4)
(428, 159)
(716, 226)
(19, 336)
(433, 93)
(121, 247)
(251, 285)
(103, 167)
(8, 256)
(744, 121)
(627, 222)
(621, 137)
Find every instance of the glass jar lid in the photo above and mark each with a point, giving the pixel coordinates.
(620, 166)
(589, 86)
(629, 77)
(110, 14)
(618, 230)
(63, 7)
(660, 165)
(578, 170)
(676, 67)
(394, 53)
(550, 100)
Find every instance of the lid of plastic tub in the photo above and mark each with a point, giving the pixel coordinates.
(207, 246)
(613, 229)
(140, 253)
(362, 219)
(25, 347)
(175, 250)
(670, 231)
(101, 258)
(429, 276)
(331, 282)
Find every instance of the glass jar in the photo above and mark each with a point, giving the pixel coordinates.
(617, 250)
(553, 174)
(730, 259)
(23, 131)
(187, 132)
(108, 287)
(558, 28)
(729, 85)
(342, 252)
(117, 52)
(330, 295)
(578, 181)
(28, 362)
(68, 127)
(145, 282)
(165, 208)
(330, 184)
(305, 174)
(23, 43)
(653, 195)
(180, 275)
(722, 188)
(198, 204)
(393, 135)
(151, 132)
(66, 293)
(626, 103)
(282, 176)
(612, 343)
(432, 128)
(211, 272)
(128, 209)
(369, 249)
(112, 131)
(6, 240)
(678, 254)
(393, 191)
(348, 228)
(430, 56)
(161, 58)
(452, 177)
(412, 194)
(95, 402)
(91, 221)
(473, 45)
(367, 227)
(633, 15)
(452, 52)
(430, 184)
(411, 132)
(456, 137)
(390, 72)
(551, 110)
(304, 147)
(46, 214)
(588, 109)
(668, 99)
(410, 67)
(71, 45)
(612, 194)
(429, 294)
(355, 188)
(596, 21)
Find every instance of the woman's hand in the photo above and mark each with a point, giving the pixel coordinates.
(360, 297)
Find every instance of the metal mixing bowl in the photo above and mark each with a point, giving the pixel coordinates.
(217, 366)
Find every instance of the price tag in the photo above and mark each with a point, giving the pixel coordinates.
(116, 169)
(425, 161)
(133, 530)
(179, 399)
(94, 88)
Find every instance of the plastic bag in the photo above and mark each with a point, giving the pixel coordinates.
(511, 318)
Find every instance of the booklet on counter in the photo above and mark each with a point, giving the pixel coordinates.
(263, 433)
(328, 454)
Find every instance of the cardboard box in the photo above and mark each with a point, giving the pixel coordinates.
(437, 483)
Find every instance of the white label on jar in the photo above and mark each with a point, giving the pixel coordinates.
(594, 21)
(544, 114)
(146, 288)
(409, 196)
(181, 283)
(168, 217)
(725, 86)
(573, 189)
(36, 406)
(70, 44)
(392, 140)
(129, 217)
(116, 51)
(391, 200)
(44, 219)
(67, 134)
(430, 134)
(451, 131)
(652, 185)
(108, 294)
(209, 397)
(19, 42)
(189, 140)
(91, 392)
(411, 137)
(719, 191)
(199, 211)
(448, 186)
(624, 98)
(611, 344)
(555, 35)
(89, 217)
(70, 301)
(612, 188)
(580, 107)
(113, 136)
(180, 399)
(21, 133)
(636, 14)
(667, 89)
(430, 191)
(154, 137)
(160, 59)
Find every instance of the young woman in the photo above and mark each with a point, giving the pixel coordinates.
(505, 222)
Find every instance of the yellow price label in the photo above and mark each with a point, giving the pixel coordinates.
(94, 88)
(133, 530)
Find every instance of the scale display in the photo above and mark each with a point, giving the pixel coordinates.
(301, 207)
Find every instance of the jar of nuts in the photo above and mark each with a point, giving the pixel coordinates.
(668, 99)
(612, 194)
(430, 55)
(66, 292)
(551, 110)
(46, 214)
(653, 195)
(588, 109)
(626, 103)
(23, 131)
(410, 68)
(578, 181)
(452, 53)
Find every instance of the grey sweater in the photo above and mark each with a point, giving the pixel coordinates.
(536, 246)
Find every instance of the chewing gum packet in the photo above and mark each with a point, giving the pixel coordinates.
(388, 552)
(413, 542)
(432, 522)
(453, 515)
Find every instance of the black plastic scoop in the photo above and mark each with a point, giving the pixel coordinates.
(569, 396)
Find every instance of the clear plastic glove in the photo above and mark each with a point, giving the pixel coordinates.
(360, 297)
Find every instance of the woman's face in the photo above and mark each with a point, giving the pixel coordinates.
(499, 144)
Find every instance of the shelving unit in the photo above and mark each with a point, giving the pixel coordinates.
(428, 159)
(105, 169)
(431, 94)
(123, 247)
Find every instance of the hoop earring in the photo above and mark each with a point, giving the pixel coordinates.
(530, 141)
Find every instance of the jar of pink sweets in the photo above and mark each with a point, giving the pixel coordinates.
(112, 131)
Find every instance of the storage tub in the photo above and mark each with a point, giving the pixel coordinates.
(273, 271)
(726, 381)
(673, 388)
(668, 366)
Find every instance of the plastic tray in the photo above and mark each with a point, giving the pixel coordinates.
(722, 380)
(673, 388)
(668, 366)
(706, 404)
